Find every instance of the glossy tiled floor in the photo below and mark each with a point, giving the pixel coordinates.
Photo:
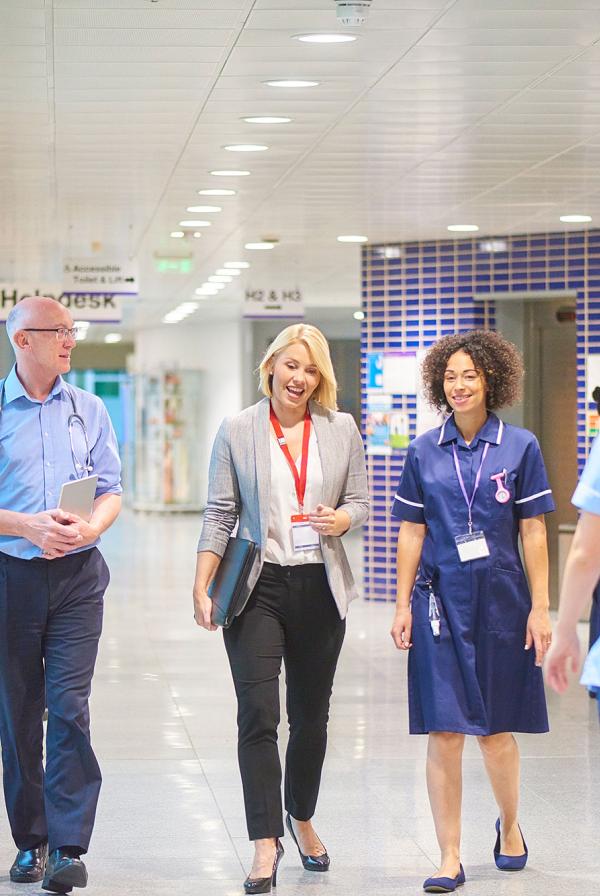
(171, 818)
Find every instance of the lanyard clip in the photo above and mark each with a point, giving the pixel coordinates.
(434, 614)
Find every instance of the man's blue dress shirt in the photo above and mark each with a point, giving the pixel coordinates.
(35, 451)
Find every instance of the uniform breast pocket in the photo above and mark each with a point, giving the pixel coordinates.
(507, 602)
(501, 493)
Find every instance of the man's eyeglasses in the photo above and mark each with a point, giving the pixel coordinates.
(62, 333)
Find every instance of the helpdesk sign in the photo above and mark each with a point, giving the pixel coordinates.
(97, 307)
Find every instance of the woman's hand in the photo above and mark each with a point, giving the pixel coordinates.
(402, 629)
(203, 609)
(565, 651)
(328, 521)
(539, 633)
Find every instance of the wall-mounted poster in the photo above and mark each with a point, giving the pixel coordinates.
(400, 373)
(399, 437)
(592, 374)
(378, 424)
(374, 370)
(427, 417)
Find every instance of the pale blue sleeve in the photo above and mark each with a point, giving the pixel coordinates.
(587, 493)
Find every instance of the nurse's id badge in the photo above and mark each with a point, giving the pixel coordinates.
(472, 546)
(304, 537)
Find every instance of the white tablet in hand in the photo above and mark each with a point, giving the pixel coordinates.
(78, 496)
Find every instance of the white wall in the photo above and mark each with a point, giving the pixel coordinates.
(214, 347)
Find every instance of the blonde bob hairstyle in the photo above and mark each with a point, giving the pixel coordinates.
(318, 349)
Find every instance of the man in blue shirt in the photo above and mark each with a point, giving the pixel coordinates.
(52, 583)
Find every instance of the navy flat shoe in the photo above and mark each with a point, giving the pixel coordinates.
(444, 884)
(310, 863)
(509, 863)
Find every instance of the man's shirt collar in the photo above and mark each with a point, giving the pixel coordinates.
(14, 388)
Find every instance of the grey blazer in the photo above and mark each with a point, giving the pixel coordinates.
(239, 488)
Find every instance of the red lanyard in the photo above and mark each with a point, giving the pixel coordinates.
(299, 478)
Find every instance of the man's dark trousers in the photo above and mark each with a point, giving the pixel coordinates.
(50, 625)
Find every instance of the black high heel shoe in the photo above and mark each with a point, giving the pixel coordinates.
(311, 863)
(264, 884)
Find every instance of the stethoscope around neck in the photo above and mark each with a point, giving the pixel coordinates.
(74, 420)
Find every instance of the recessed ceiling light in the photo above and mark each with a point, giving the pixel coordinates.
(290, 82)
(194, 223)
(227, 173)
(229, 272)
(197, 234)
(208, 290)
(113, 337)
(325, 38)
(216, 192)
(267, 119)
(352, 238)
(359, 315)
(463, 228)
(177, 234)
(236, 264)
(575, 219)
(189, 307)
(261, 245)
(199, 209)
(220, 278)
(246, 147)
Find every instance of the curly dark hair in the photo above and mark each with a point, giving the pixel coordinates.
(498, 359)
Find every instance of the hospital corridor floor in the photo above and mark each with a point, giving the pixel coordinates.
(171, 817)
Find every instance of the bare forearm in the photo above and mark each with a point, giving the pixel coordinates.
(12, 523)
(582, 571)
(410, 546)
(535, 552)
(106, 510)
(207, 564)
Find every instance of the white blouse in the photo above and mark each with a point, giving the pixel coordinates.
(284, 503)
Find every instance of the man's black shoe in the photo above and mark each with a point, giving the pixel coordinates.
(63, 872)
(30, 865)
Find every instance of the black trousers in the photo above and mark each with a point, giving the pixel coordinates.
(291, 615)
(50, 624)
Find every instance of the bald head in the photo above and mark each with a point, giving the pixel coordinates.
(34, 311)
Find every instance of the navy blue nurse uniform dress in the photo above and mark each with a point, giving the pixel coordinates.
(476, 677)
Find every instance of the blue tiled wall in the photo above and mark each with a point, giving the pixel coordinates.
(416, 292)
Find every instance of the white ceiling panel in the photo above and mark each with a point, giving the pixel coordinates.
(148, 37)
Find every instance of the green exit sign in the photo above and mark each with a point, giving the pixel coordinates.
(176, 265)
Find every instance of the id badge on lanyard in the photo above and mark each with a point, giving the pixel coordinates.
(471, 545)
(304, 537)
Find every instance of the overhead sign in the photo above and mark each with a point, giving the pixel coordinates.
(94, 306)
(273, 303)
(116, 276)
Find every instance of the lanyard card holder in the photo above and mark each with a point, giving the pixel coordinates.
(472, 546)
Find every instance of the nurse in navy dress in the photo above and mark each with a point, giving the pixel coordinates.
(476, 633)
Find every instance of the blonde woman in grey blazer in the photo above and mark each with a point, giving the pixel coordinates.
(299, 588)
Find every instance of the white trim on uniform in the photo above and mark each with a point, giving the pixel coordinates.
(405, 501)
(442, 430)
(500, 431)
(548, 491)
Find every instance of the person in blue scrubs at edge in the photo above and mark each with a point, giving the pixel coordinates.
(581, 576)
(476, 635)
(52, 584)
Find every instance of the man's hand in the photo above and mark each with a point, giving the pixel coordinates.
(52, 531)
(88, 533)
